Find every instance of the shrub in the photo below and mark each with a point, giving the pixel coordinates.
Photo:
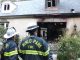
(69, 48)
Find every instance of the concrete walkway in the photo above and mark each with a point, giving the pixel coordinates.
(53, 50)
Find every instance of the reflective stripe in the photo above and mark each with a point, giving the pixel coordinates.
(47, 52)
(10, 53)
(34, 52)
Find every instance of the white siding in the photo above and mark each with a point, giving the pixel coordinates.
(22, 24)
(71, 22)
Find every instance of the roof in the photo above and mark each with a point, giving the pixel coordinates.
(37, 7)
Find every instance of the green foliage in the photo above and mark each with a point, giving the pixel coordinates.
(2, 32)
(69, 48)
(7, 0)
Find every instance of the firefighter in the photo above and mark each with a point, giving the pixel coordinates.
(33, 47)
(10, 47)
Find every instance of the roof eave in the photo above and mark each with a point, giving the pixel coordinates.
(56, 15)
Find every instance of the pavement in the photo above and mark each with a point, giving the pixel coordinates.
(53, 50)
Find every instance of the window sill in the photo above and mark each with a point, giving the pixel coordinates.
(51, 8)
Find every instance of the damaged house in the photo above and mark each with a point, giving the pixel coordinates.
(53, 16)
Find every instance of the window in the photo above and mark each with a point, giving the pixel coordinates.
(52, 3)
(6, 7)
(4, 22)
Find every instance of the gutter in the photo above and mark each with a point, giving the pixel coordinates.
(54, 15)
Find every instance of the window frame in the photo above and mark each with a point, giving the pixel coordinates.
(4, 22)
(6, 7)
(51, 2)
(52, 5)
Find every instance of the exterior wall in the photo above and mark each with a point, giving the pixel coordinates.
(70, 24)
(22, 24)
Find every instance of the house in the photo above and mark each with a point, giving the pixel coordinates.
(53, 16)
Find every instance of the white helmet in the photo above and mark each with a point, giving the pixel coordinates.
(32, 27)
(10, 33)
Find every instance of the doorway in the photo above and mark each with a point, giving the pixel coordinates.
(50, 31)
